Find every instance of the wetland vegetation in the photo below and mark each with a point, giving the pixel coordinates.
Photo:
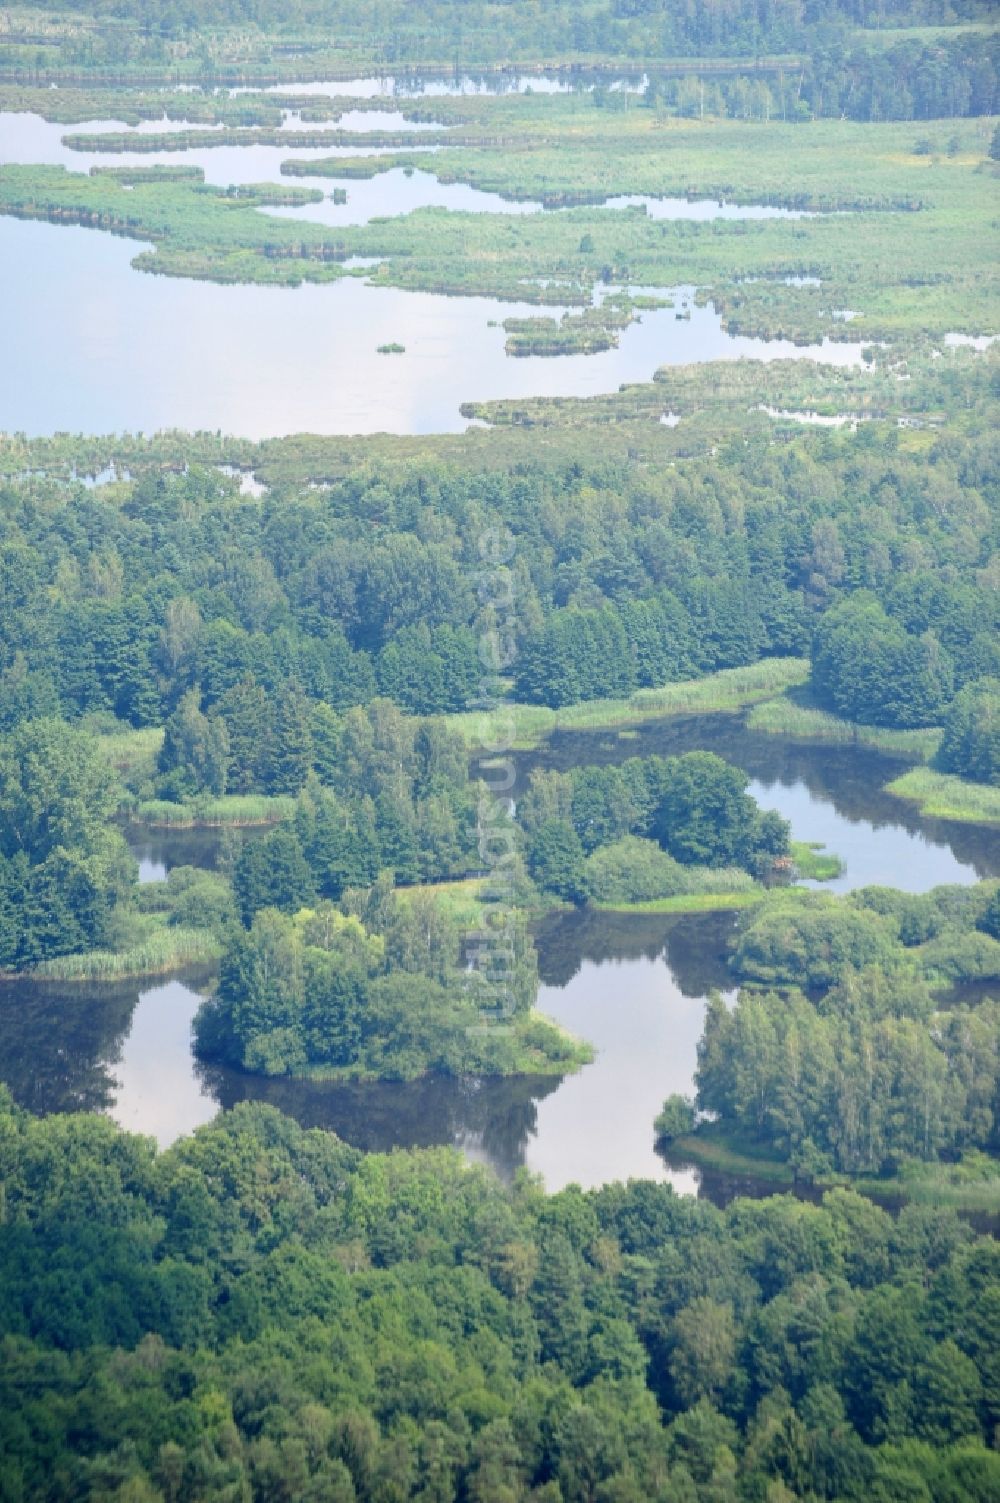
(607, 793)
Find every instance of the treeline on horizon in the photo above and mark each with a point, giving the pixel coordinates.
(831, 61)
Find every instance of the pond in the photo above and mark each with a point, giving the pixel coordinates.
(832, 793)
(424, 87)
(126, 1049)
(634, 985)
(403, 189)
(92, 346)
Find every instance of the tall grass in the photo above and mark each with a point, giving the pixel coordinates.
(460, 900)
(130, 751)
(688, 902)
(729, 689)
(946, 797)
(813, 863)
(784, 717)
(160, 951)
(230, 809)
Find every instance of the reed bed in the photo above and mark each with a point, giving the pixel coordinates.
(945, 797)
(800, 722)
(160, 951)
(210, 813)
(728, 690)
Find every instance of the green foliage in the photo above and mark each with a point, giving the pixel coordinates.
(636, 871)
(379, 992)
(868, 668)
(946, 797)
(195, 752)
(272, 873)
(872, 1070)
(675, 1120)
(63, 871)
(970, 745)
(812, 942)
(262, 1311)
(695, 805)
(56, 790)
(704, 815)
(555, 860)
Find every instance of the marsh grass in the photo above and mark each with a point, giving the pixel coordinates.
(904, 244)
(459, 901)
(795, 718)
(813, 863)
(945, 797)
(729, 689)
(159, 951)
(131, 752)
(231, 809)
(688, 902)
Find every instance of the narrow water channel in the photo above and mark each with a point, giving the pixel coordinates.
(634, 985)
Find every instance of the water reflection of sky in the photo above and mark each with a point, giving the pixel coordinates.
(598, 1125)
(634, 986)
(158, 1090)
(92, 346)
(884, 854)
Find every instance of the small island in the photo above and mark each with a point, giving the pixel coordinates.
(384, 991)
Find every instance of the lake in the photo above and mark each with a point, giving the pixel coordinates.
(92, 346)
(634, 985)
(423, 87)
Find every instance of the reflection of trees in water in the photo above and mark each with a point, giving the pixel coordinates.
(491, 1119)
(58, 1045)
(693, 946)
(720, 1188)
(851, 778)
(183, 847)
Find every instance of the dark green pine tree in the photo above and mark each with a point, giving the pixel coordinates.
(246, 714)
(12, 878)
(555, 860)
(397, 838)
(272, 872)
(290, 748)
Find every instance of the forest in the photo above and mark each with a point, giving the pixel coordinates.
(500, 927)
(263, 1312)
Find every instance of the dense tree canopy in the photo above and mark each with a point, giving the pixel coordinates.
(264, 1313)
(856, 1062)
(63, 868)
(275, 611)
(971, 742)
(695, 806)
(845, 60)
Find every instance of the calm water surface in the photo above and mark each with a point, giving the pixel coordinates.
(92, 346)
(634, 985)
(30, 139)
(832, 794)
(403, 87)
